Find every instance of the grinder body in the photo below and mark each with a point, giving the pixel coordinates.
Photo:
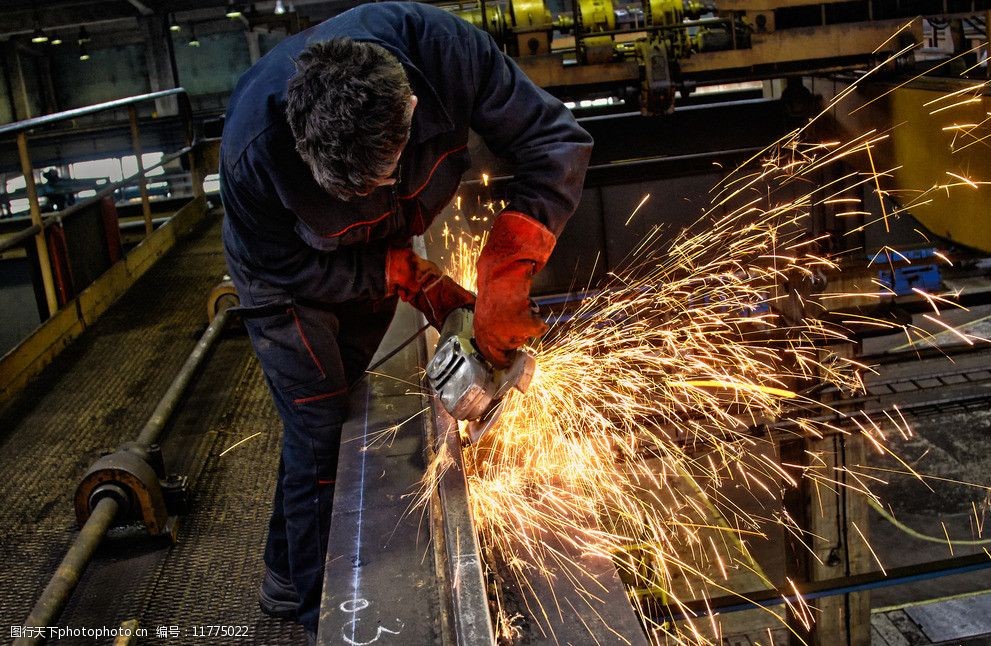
(468, 386)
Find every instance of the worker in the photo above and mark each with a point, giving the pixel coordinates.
(339, 146)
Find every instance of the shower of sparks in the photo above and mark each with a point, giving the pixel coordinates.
(672, 384)
(461, 251)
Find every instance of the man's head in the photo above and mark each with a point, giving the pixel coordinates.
(350, 107)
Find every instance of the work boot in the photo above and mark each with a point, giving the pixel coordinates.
(277, 597)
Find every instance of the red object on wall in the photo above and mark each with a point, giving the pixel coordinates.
(58, 254)
(111, 227)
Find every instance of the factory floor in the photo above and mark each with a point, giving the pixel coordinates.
(225, 437)
(98, 394)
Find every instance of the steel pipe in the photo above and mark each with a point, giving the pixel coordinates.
(78, 207)
(69, 571)
(61, 216)
(132, 114)
(64, 581)
(28, 124)
(819, 589)
(17, 239)
(166, 405)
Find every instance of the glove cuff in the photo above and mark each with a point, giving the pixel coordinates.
(406, 273)
(516, 237)
(396, 270)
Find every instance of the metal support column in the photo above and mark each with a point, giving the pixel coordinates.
(795, 502)
(197, 164)
(44, 262)
(161, 74)
(254, 46)
(196, 174)
(132, 114)
(19, 98)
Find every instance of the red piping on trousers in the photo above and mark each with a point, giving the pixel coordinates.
(431, 174)
(306, 342)
(316, 398)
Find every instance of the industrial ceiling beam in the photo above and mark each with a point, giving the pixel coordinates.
(65, 17)
(141, 7)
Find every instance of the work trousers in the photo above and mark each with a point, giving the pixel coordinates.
(311, 355)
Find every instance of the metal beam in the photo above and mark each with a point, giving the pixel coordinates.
(820, 589)
(70, 17)
(141, 7)
(457, 543)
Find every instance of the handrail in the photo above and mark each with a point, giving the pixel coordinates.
(59, 216)
(20, 131)
(53, 218)
(34, 122)
(19, 238)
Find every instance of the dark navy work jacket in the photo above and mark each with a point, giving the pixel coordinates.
(287, 237)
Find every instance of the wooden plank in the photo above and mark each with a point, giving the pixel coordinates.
(845, 616)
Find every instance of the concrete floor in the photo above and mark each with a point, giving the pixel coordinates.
(953, 446)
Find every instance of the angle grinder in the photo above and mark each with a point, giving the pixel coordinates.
(468, 386)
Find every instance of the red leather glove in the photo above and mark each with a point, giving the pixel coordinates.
(423, 285)
(518, 247)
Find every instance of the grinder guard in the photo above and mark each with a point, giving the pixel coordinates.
(466, 384)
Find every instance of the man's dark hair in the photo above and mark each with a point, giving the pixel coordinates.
(348, 107)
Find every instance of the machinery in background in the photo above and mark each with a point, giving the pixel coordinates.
(654, 34)
(648, 51)
(56, 191)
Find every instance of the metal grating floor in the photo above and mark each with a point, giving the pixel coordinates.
(99, 393)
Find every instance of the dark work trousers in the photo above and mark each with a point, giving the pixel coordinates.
(311, 356)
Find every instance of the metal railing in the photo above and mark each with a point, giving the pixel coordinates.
(40, 222)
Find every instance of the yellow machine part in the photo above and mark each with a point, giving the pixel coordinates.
(493, 15)
(931, 143)
(665, 13)
(597, 15)
(931, 147)
(531, 14)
